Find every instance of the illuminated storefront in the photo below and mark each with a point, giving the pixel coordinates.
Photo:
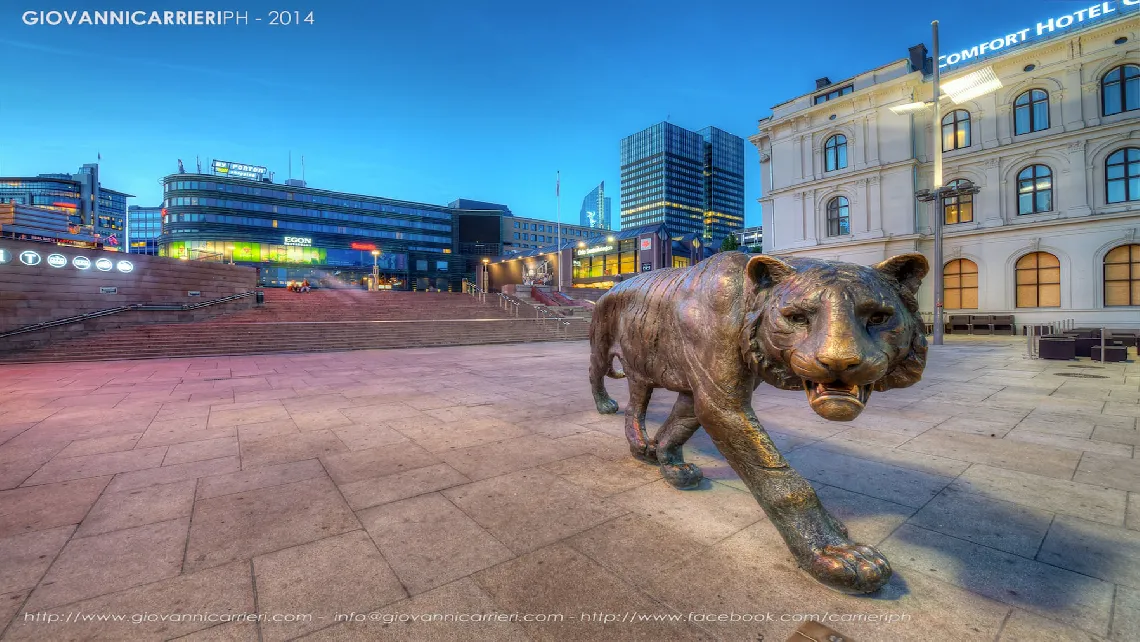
(291, 232)
(607, 261)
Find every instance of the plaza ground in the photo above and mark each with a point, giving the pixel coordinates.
(334, 492)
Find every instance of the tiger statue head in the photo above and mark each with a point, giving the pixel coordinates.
(837, 330)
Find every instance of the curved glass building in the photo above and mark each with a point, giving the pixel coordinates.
(293, 232)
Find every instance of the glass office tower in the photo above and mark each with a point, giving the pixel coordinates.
(144, 225)
(662, 179)
(691, 181)
(596, 209)
(724, 185)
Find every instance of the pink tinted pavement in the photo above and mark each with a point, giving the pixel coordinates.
(474, 493)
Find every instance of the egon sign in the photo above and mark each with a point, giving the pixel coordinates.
(1051, 26)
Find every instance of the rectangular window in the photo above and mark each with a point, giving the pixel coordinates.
(441, 266)
(421, 266)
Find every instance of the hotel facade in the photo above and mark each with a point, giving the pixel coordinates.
(1054, 232)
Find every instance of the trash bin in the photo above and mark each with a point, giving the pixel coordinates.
(260, 297)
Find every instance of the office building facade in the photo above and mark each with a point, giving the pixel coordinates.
(693, 182)
(144, 226)
(1054, 232)
(92, 210)
(521, 234)
(596, 209)
(293, 232)
(751, 239)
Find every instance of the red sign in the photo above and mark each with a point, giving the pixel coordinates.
(647, 243)
(363, 246)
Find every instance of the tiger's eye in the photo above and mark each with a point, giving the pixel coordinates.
(879, 318)
(798, 319)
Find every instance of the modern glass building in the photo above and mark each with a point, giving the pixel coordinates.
(596, 208)
(90, 207)
(293, 232)
(724, 184)
(693, 182)
(144, 225)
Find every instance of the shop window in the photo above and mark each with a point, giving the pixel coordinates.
(1038, 276)
(1034, 190)
(835, 153)
(1122, 175)
(956, 130)
(1031, 112)
(1120, 90)
(1122, 276)
(680, 262)
(960, 285)
(957, 209)
(838, 216)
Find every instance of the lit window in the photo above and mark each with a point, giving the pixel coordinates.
(1122, 276)
(958, 209)
(960, 285)
(956, 130)
(1038, 281)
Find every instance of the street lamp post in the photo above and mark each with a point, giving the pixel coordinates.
(483, 284)
(375, 270)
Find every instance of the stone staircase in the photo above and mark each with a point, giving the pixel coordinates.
(318, 321)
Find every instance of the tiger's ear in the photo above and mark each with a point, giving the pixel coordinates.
(907, 269)
(765, 271)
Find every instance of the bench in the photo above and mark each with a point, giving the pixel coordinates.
(1057, 348)
(981, 324)
(1111, 353)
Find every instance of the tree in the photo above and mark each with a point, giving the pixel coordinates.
(729, 244)
(756, 249)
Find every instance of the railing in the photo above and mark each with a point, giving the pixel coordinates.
(521, 309)
(140, 307)
(1034, 332)
(541, 296)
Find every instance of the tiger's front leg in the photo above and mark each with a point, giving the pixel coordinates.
(818, 541)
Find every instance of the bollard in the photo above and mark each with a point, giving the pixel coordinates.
(1029, 341)
(1102, 346)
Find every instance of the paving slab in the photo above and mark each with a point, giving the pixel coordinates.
(1072, 598)
(339, 574)
(1111, 553)
(92, 566)
(130, 508)
(429, 542)
(26, 557)
(242, 525)
(1088, 501)
(418, 481)
(38, 508)
(1003, 525)
(550, 509)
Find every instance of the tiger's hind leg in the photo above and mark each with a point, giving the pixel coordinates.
(639, 444)
(672, 435)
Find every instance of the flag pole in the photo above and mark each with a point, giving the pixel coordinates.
(558, 218)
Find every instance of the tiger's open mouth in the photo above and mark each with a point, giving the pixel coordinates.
(837, 401)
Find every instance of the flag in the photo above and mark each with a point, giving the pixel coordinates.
(99, 156)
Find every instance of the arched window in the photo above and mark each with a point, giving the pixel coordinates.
(960, 285)
(957, 209)
(1034, 190)
(1038, 281)
(838, 216)
(1122, 276)
(835, 153)
(1120, 90)
(956, 130)
(1031, 112)
(1122, 175)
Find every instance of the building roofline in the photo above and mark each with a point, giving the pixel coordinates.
(306, 190)
(840, 83)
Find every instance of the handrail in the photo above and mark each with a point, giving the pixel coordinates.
(514, 304)
(141, 307)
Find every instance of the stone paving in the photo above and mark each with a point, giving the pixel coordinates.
(380, 485)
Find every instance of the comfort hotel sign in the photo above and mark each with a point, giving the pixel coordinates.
(1044, 29)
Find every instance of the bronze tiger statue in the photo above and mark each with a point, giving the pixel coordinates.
(713, 331)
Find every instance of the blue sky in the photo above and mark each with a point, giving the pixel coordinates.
(433, 101)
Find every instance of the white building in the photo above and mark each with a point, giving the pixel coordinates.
(1054, 232)
(750, 237)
